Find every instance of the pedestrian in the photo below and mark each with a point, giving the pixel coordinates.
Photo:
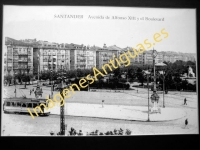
(41, 92)
(185, 101)
(30, 92)
(186, 122)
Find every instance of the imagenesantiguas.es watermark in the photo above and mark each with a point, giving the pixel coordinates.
(123, 59)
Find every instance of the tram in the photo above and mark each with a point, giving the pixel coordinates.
(20, 105)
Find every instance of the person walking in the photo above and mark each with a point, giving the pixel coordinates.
(30, 92)
(41, 91)
(185, 101)
(186, 122)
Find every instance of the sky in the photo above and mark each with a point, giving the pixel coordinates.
(42, 23)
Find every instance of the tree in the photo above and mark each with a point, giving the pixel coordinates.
(117, 72)
(8, 78)
(25, 78)
(140, 76)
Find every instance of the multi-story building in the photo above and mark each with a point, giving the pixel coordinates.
(105, 54)
(19, 57)
(51, 56)
(159, 57)
(148, 59)
(82, 57)
(139, 60)
(31, 56)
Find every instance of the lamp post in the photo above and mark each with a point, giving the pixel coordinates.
(154, 96)
(88, 86)
(38, 67)
(62, 109)
(163, 89)
(147, 73)
(163, 73)
(51, 84)
(154, 54)
(15, 86)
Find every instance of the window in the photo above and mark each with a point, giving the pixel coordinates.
(35, 105)
(42, 107)
(8, 104)
(30, 105)
(23, 104)
(18, 104)
(12, 104)
(15, 104)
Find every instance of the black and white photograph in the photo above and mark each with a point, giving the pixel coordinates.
(98, 71)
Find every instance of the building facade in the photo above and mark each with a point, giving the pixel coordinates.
(82, 57)
(105, 54)
(18, 57)
(31, 56)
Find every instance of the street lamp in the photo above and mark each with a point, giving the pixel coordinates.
(163, 89)
(154, 96)
(163, 73)
(62, 109)
(51, 84)
(15, 84)
(38, 66)
(147, 73)
(154, 54)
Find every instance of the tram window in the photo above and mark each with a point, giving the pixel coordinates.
(12, 104)
(24, 105)
(8, 104)
(42, 107)
(35, 105)
(15, 104)
(18, 104)
(30, 105)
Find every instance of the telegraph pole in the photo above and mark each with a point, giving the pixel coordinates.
(51, 84)
(62, 109)
(15, 86)
(148, 95)
(163, 89)
(38, 67)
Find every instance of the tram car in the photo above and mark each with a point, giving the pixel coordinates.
(21, 105)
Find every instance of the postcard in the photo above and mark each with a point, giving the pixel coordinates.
(98, 71)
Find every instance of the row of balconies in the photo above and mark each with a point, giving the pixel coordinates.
(55, 54)
(81, 60)
(22, 67)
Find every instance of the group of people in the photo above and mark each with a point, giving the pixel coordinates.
(73, 132)
(34, 91)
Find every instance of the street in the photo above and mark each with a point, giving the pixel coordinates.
(25, 125)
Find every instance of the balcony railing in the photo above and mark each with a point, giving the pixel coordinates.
(22, 67)
(9, 68)
(15, 67)
(22, 60)
(22, 54)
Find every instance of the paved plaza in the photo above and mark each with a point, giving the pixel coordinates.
(121, 109)
(134, 113)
